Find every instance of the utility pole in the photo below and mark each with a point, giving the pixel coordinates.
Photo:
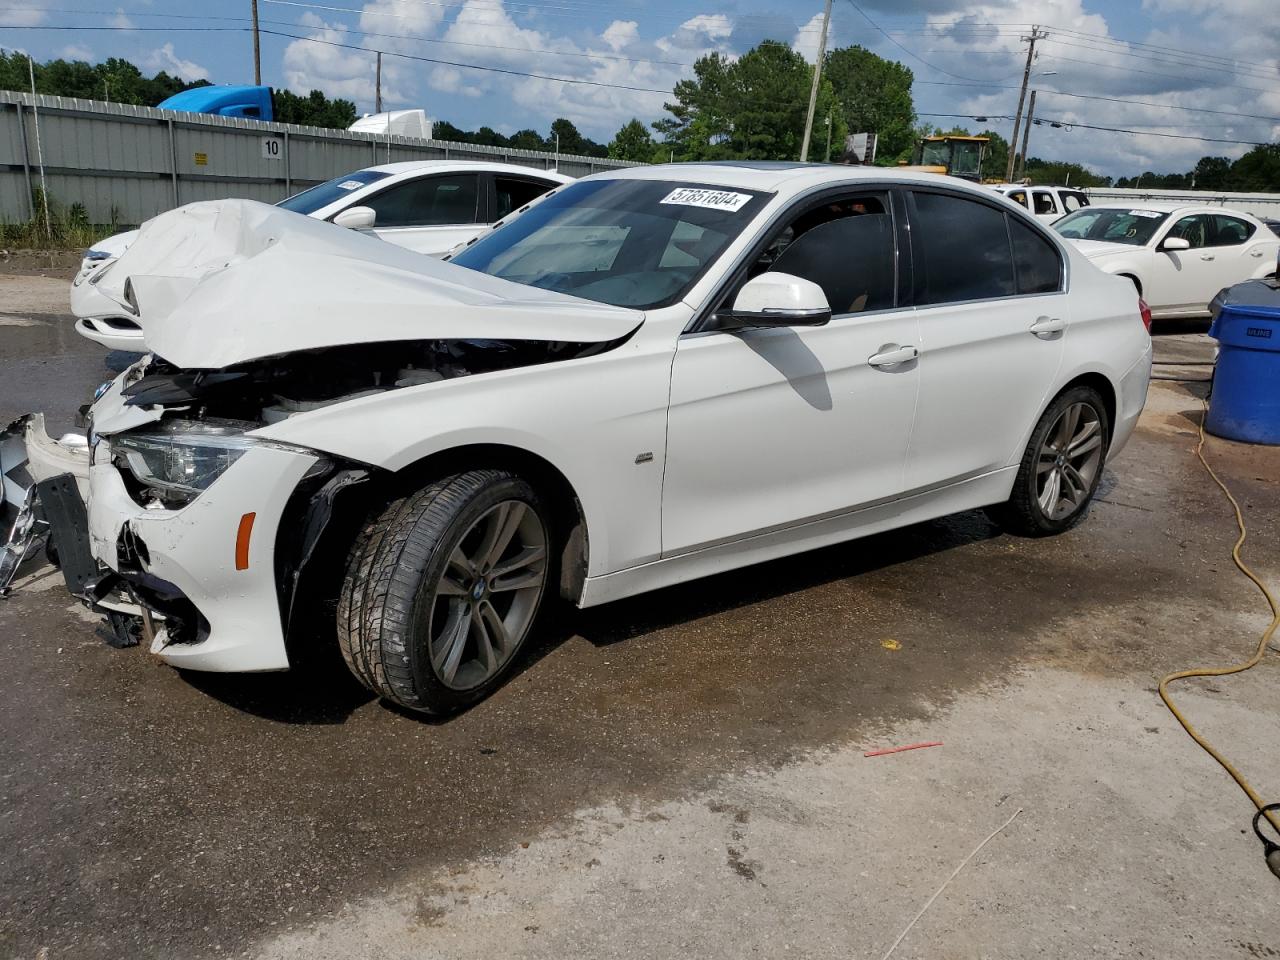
(257, 50)
(1036, 34)
(377, 86)
(1026, 136)
(817, 76)
(827, 158)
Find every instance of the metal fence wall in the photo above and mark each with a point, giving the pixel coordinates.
(126, 164)
(1258, 204)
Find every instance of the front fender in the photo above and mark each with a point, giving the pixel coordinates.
(600, 421)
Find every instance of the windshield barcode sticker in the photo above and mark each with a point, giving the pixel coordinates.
(711, 199)
(1149, 214)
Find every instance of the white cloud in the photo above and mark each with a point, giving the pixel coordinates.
(806, 39)
(449, 80)
(1085, 57)
(120, 20)
(163, 58)
(76, 51)
(620, 33)
(321, 66)
(29, 14)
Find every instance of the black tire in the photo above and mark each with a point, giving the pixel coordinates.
(1023, 513)
(385, 608)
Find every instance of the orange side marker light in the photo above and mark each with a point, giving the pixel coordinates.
(242, 541)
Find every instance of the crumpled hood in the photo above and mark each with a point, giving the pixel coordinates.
(1093, 249)
(225, 281)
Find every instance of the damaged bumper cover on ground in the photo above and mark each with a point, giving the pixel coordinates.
(31, 464)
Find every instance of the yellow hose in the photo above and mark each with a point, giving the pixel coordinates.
(1272, 816)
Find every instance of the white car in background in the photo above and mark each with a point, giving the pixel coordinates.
(649, 376)
(428, 206)
(1178, 257)
(1046, 204)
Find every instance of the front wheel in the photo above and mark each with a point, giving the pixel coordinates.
(442, 590)
(1061, 467)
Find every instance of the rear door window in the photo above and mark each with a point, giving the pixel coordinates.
(1044, 203)
(512, 193)
(961, 250)
(428, 202)
(1230, 231)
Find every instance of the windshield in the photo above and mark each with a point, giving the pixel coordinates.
(630, 243)
(1114, 226)
(321, 195)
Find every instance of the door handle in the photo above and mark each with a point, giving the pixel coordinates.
(1045, 327)
(890, 358)
(1206, 256)
(1255, 253)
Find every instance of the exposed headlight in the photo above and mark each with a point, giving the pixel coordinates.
(180, 458)
(92, 254)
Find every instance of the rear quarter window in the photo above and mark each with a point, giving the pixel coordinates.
(1037, 263)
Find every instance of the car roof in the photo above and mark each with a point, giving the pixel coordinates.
(781, 177)
(447, 166)
(1170, 208)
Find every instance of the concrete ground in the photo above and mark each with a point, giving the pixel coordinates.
(682, 775)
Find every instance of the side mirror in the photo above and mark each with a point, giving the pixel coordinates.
(1175, 243)
(780, 300)
(356, 218)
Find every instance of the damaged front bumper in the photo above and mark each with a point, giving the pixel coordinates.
(207, 567)
(202, 581)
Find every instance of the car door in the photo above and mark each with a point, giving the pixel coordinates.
(1184, 281)
(1238, 249)
(769, 428)
(993, 312)
(429, 214)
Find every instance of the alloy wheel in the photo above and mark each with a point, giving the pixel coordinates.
(485, 599)
(1069, 461)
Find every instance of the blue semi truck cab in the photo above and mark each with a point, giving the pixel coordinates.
(224, 101)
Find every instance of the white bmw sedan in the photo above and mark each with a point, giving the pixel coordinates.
(649, 376)
(1177, 257)
(429, 206)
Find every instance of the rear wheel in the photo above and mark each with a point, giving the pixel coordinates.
(1061, 466)
(442, 590)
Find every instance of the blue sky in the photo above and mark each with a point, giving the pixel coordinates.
(1147, 56)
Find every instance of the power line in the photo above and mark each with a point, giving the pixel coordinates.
(931, 66)
(471, 66)
(1073, 125)
(1166, 106)
(1152, 73)
(1169, 60)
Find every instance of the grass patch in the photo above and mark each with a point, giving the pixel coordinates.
(67, 227)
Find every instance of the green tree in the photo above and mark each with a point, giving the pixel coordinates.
(1212, 173)
(875, 97)
(753, 108)
(527, 140)
(313, 110)
(571, 141)
(1258, 170)
(632, 142)
(114, 79)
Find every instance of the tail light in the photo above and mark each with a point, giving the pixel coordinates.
(1145, 312)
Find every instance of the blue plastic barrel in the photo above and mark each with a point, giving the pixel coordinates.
(1245, 403)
